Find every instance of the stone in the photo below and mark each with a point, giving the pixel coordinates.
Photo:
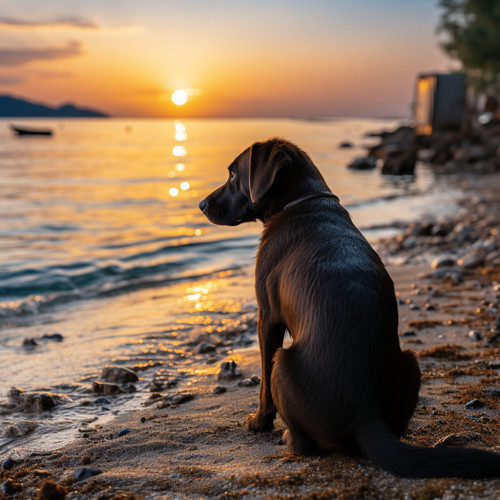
(33, 402)
(473, 259)
(474, 404)
(363, 163)
(118, 374)
(181, 398)
(220, 390)
(229, 370)
(85, 473)
(106, 388)
(124, 432)
(56, 337)
(474, 335)
(443, 261)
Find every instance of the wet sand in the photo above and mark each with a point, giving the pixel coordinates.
(188, 440)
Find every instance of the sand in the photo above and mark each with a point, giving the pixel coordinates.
(196, 446)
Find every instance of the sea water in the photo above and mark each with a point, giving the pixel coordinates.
(102, 241)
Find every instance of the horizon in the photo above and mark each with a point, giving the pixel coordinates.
(324, 59)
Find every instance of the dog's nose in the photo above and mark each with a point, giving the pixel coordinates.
(202, 205)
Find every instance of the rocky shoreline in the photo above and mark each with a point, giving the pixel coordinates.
(188, 440)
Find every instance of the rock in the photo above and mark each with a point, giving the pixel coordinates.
(220, 390)
(19, 429)
(363, 163)
(249, 382)
(102, 401)
(124, 432)
(85, 473)
(106, 388)
(29, 343)
(10, 488)
(443, 261)
(409, 333)
(204, 348)
(56, 337)
(473, 259)
(229, 370)
(181, 398)
(474, 335)
(400, 162)
(118, 374)
(8, 464)
(475, 403)
(33, 402)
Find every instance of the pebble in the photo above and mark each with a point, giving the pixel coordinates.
(204, 348)
(118, 374)
(409, 333)
(84, 473)
(220, 389)
(474, 335)
(8, 464)
(181, 398)
(443, 261)
(472, 259)
(102, 401)
(105, 388)
(363, 163)
(229, 370)
(474, 403)
(123, 432)
(9, 487)
(143, 419)
(249, 382)
(32, 402)
(56, 337)
(29, 343)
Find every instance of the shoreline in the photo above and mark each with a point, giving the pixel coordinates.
(183, 447)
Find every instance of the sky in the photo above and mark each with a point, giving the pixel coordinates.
(233, 58)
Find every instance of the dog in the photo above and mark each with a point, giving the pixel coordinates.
(344, 384)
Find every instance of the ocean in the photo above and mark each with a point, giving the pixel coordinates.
(103, 245)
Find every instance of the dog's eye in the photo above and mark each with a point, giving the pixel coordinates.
(232, 174)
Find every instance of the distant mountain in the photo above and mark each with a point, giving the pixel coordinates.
(15, 107)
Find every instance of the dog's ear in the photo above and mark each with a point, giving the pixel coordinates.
(266, 160)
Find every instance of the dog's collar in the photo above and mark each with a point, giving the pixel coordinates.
(311, 197)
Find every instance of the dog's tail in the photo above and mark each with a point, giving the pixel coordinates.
(383, 448)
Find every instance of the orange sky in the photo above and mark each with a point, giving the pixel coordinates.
(259, 58)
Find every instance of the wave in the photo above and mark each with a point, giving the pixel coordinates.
(31, 291)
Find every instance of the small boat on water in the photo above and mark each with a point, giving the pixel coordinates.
(31, 131)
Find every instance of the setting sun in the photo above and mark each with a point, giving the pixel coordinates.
(179, 97)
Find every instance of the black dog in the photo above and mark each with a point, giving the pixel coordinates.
(344, 383)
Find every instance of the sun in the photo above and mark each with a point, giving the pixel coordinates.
(179, 97)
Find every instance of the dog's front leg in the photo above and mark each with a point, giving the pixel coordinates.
(270, 339)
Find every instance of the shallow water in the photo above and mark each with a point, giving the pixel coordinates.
(102, 241)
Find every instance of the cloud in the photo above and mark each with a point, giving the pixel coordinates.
(18, 57)
(64, 23)
(10, 80)
(67, 22)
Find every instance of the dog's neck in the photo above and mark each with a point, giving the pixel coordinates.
(311, 196)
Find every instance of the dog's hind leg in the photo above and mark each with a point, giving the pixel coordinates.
(289, 403)
(400, 402)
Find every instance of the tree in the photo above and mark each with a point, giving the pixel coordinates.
(470, 31)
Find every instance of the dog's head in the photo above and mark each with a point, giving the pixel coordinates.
(259, 183)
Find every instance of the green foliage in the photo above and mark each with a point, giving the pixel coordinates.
(470, 31)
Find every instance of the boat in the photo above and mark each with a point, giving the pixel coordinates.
(30, 131)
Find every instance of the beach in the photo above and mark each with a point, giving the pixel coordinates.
(188, 439)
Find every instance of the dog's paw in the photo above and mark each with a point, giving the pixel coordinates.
(256, 422)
